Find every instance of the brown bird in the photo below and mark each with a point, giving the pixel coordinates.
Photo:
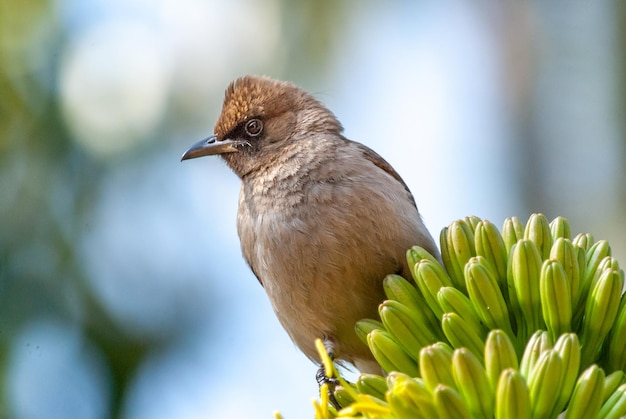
(322, 219)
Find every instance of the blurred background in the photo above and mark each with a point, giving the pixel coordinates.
(122, 290)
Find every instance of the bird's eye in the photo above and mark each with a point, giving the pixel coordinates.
(254, 127)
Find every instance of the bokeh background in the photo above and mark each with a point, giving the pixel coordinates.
(122, 290)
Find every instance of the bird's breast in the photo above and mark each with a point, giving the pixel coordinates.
(326, 242)
(323, 225)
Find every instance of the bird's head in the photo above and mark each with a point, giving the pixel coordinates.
(259, 117)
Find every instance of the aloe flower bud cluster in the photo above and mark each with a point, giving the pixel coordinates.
(527, 322)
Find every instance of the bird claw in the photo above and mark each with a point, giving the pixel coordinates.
(331, 382)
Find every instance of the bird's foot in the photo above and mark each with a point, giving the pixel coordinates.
(331, 383)
(322, 378)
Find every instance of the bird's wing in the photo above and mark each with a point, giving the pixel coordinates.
(247, 235)
(251, 265)
(381, 163)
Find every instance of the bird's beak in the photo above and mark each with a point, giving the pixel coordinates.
(209, 147)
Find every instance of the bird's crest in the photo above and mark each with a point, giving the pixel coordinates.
(253, 96)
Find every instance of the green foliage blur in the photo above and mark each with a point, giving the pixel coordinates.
(48, 183)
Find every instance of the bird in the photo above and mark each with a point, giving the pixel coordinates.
(321, 219)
